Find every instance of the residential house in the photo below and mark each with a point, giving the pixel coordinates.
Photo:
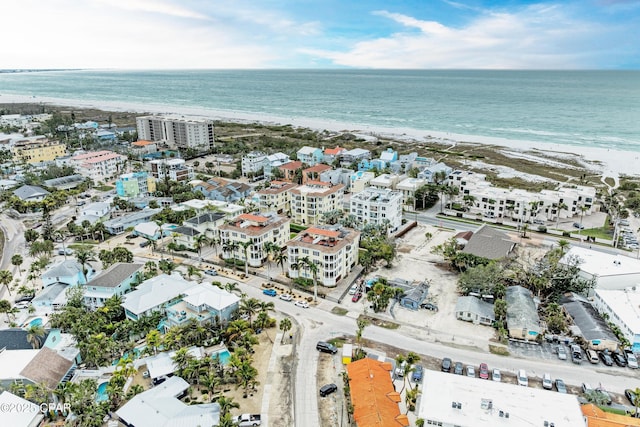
(522, 314)
(141, 148)
(68, 272)
(273, 161)
(207, 222)
(333, 249)
(135, 184)
(313, 173)
(473, 309)
(103, 135)
(186, 236)
(276, 197)
(310, 155)
(377, 206)
(332, 154)
(413, 297)
(230, 210)
(459, 400)
(162, 364)
(355, 155)
(94, 212)
(155, 295)
(386, 180)
(203, 303)
(48, 368)
(289, 171)
(171, 169)
(120, 224)
(408, 187)
(160, 407)
(178, 131)
(253, 164)
(52, 297)
(338, 176)
(621, 308)
(148, 230)
(114, 281)
(257, 229)
(19, 412)
(36, 151)
(222, 189)
(608, 271)
(429, 168)
(490, 243)
(65, 182)
(386, 158)
(588, 323)
(100, 165)
(31, 193)
(312, 200)
(373, 395)
(360, 180)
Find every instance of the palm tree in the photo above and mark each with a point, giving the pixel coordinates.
(5, 278)
(313, 267)
(226, 404)
(192, 270)
(5, 307)
(245, 247)
(200, 241)
(84, 254)
(561, 206)
(231, 247)
(35, 334)
(17, 260)
(563, 245)
(181, 359)
(250, 307)
(280, 259)
(285, 326)
(209, 382)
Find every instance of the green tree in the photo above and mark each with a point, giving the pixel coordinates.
(285, 326)
(85, 254)
(35, 334)
(17, 260)
(5, 278)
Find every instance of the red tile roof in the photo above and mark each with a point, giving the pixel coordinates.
(291, 165)
(255, 218)
(596, 417)
(317, 168)
(322, 232)
(334, 151)
(142, 143)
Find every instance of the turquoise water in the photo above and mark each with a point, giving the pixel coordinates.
(101, 394)
(223, 355)
(581, 108)
(36, 322)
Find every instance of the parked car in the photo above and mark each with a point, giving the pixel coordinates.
(606, 358)
(547, 382)
(286, 297)
(24, 298)
(586, 388)
(22, 305)
(496, 375)
(632, 361)
(458, 369)
(211, 272)
(270, 292)
(145, 243)
(145, 374)
(429, 306)
(630, 395)
(471, 371)
(247, 420)
(483, 371)
(446, 365)
(619, 358)
(578, 225)
(560, 386)
(562, 352)
(326, 347)
(592, 356)
(302, 304)
(576, 354)
(522, 378)
(327, 389)
(65, 251)
(400, 369)
(354, 289)
(356, 297)
(416, 375)
(131, 236)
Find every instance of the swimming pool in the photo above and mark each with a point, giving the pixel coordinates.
(36, 322)
(101, 394)
(223, 355)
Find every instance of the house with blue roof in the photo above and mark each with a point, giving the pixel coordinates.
(68, 272)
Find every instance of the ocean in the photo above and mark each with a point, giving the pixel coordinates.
(576, 108)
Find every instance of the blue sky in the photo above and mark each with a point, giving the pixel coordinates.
(414, 34)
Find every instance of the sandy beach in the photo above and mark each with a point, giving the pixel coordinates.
(607, 162)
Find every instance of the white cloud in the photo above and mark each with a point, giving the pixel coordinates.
(537, 37)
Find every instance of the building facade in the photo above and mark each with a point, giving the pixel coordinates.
(276, 198)
(172, 169)
(310, 201)
(135, 184)
(36, 151)
(181, 132)
(377, 206)
(100, 165)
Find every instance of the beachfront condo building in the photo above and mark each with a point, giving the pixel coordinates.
(276, 197)
(310, 201)
(408, 188)
(178, 131)
(379, 206)
(245, 236)
(333, 249)
(135, 184)
(171, 169)
(257, 164)
(481, 198)
(99, 165)
(37, 150)
(310, 156)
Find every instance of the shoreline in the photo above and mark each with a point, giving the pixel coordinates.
(607, 162)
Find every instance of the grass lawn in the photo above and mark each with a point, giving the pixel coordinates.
(104, 188)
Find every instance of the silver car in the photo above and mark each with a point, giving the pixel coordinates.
(496, 376)
(562, 353)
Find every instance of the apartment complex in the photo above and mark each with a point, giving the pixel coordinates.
(38, 150)
(98, 165)
(179, 131)
(333, 249)
(135, 184)
(310, 201)
(172, 169)
(257, 164)
(276, 198)
(256, 229)
(377, 206)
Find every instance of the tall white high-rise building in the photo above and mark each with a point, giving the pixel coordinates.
(181, 132)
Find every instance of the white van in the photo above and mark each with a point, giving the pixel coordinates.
(547, 383)
(522, 378)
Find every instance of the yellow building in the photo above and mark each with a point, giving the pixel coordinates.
(38, 151)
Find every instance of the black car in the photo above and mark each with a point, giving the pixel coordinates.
(446, 365)
(458, 369)
(605, 355)
(416, 376)
(630, 395)
(326, 347)
(145, 244)
(24, 298)
(327, 389)
(619, 358)
(429, 306)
